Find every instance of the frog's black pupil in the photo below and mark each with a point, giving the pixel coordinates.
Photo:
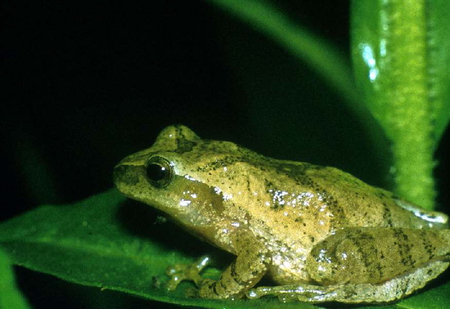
(159, 172)
(156, 172)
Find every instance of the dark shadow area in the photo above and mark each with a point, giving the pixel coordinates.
(146, 222)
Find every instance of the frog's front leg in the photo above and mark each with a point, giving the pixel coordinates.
(243, 273)
(369, 265)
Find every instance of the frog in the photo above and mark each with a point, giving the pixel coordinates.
(318, 233)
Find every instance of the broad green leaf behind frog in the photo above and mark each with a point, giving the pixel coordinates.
(318, 232)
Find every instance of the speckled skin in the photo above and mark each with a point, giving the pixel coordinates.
(317, 230)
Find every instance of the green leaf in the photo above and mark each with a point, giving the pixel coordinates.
(401, 55)
(10, 296)
(100, 242)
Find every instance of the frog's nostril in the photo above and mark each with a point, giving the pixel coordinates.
(117, 173)
(125, 174)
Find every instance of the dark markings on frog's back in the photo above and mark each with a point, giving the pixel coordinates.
(404, 247)
(360, 241)
(428, 247)
(387, 215)
(379, 269)
(296, 172)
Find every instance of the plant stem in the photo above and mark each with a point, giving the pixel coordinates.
(405, 87)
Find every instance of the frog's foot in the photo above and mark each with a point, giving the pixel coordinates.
(388, 291)
(190, 272)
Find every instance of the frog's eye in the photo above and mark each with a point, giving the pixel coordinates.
(159, 172)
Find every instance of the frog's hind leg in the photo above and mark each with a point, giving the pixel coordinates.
(370, 265)
(387, 291)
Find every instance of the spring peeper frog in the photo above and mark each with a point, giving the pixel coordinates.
(319, 233)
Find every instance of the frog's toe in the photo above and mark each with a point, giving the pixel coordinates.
(183, 272)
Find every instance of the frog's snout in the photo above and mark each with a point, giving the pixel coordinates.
(125, 176)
